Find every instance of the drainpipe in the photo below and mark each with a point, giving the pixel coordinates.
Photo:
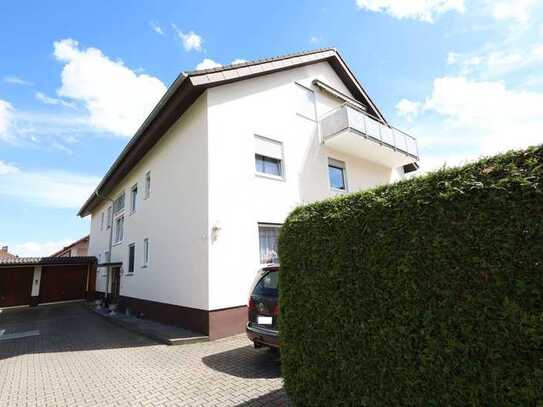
(105, 198)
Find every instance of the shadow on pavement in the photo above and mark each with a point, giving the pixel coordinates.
(68, 327)
(274, 398)
(246, 362)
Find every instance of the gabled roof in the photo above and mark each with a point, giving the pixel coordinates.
(190, 85)
(84, 238)
(44, 261)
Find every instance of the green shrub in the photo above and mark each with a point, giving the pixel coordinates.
(425, 292)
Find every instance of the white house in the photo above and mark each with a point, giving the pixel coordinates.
(196, 198)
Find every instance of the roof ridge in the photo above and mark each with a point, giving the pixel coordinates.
(257, 61)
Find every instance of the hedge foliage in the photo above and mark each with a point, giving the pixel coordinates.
(424, 292)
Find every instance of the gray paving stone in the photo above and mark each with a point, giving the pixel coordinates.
(80, 359)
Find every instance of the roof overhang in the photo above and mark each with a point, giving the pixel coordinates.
(189, 86)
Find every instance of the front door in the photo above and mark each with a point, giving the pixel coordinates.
(115, 284)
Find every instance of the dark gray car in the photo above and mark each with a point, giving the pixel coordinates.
(263, 308)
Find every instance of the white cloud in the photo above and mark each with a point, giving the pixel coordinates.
(498, 60)
(6, 117)
(517, 10)
(117, 99)
(191, 41)
(38, 249)
(408, 109)
(6, 168)
(156, 28)
(52, 101)
(423, 10)
(51, 189)
(314, 39)
(15, 80)
(465, 118)
(207, 63)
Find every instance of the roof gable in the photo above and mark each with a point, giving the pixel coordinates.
(189, 86)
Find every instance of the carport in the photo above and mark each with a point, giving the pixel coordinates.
(39, 280)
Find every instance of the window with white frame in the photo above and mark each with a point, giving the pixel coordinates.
(118, 204)
(119, 229)
(305, 102)
(102, 221)
(147, 192)
(107, 259)
(109, 217)
(145, 252)
(268, 236)
(133, 198)
(337, 174)
(131, 257)
(268, 157)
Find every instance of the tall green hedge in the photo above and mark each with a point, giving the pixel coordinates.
(424, 292)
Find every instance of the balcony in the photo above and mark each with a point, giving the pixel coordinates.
(352, 131)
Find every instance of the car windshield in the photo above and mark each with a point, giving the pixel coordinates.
(267, 286)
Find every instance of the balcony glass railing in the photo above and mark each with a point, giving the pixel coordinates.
(347, 117)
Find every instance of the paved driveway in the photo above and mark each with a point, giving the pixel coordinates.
(80, 359)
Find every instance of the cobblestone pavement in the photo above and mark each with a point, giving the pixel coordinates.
(79, 359)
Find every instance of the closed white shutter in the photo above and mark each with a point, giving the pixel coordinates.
(268, 148)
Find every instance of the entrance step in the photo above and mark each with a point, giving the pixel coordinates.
(167, 334)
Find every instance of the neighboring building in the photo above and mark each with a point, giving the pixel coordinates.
(197, 197)
(77, 248)
(4, 254)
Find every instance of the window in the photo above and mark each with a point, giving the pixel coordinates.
(109, 217)
(267, 286)
(336, 174)
(268, 236)
(102, 221)
(106, 257)
(267, 165)
(305, 102)
(145, 252)
(131, 256)
(268, 157)
(119, 229)
(133, 198)
(118, 204)
(147, 184)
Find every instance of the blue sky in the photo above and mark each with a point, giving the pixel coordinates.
(77, 78)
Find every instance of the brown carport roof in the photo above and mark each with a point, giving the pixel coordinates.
(190, 85)
(47, 261)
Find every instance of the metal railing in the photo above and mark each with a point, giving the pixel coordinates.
(350, 117)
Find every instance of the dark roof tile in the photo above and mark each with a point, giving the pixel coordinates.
(42, 261)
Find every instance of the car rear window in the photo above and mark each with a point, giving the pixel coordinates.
(267, 286)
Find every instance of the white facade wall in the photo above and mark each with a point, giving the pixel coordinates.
(239, 199)
(206, 199)
(173, 218)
